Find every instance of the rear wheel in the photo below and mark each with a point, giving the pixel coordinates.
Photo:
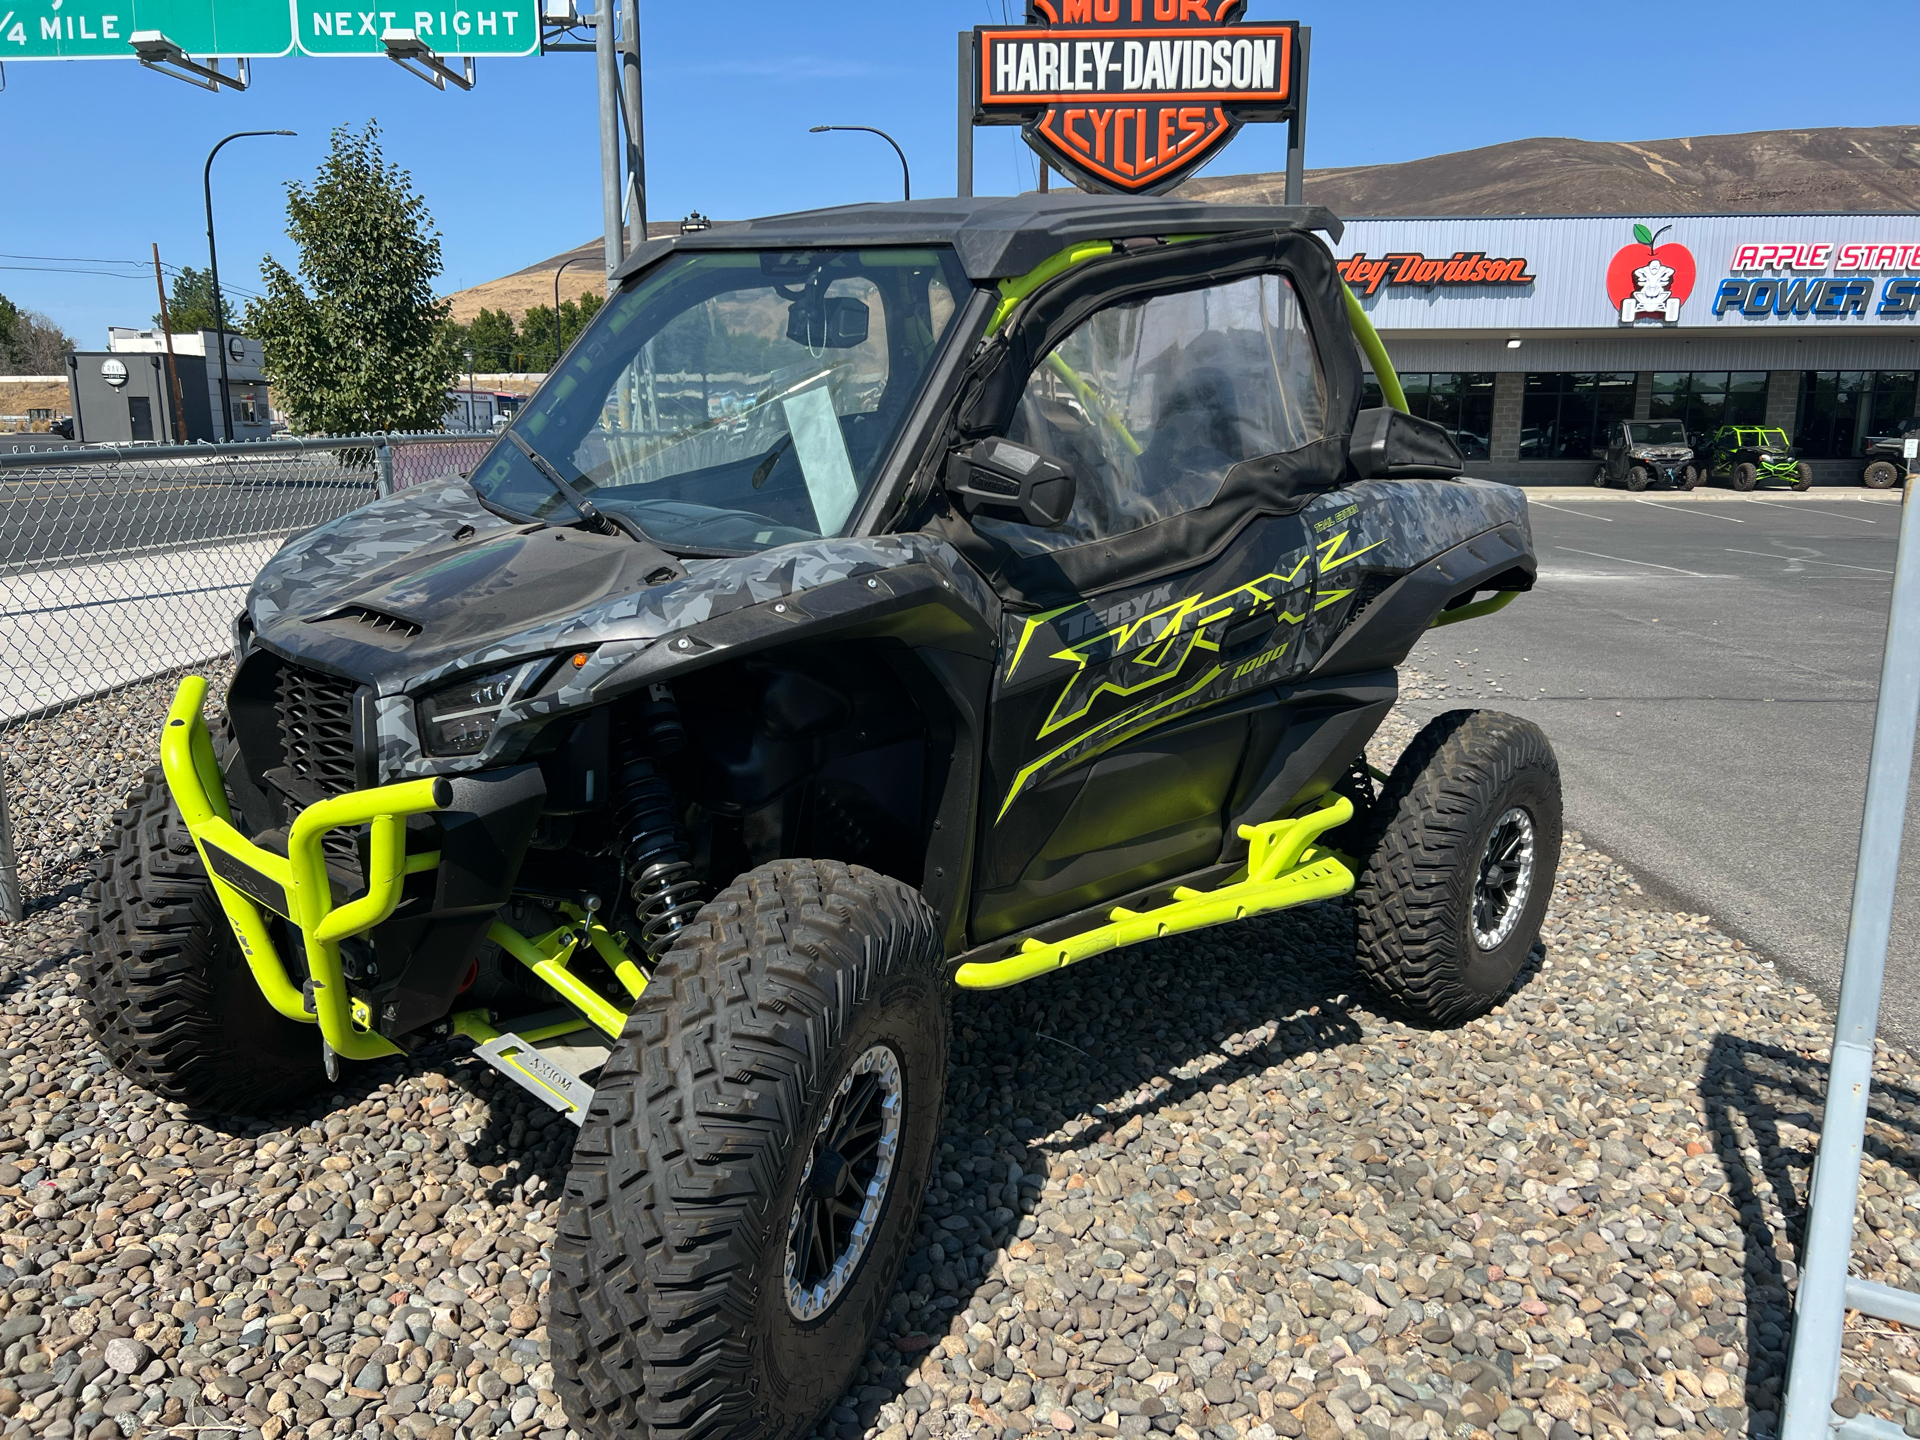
(168, 993)
(1803, 476)
(1745, 476)
(745, 1186)
(1639, 477)
(1458, 879)
(1600, 476)
(1881, 475)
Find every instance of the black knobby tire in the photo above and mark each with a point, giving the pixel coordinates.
(1803, 476)
(669, 1311)
(1745, 476)
(1445, 803)
(168, 993)
(1689, 478)
(1880, 475)
(1600, 477)
(1639, 477)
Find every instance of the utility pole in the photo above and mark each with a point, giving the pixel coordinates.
(179, 426)
(606, 65)
(631, 108)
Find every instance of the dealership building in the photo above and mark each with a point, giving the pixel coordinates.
(1529, 336)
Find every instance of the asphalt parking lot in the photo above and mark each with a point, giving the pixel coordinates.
(1707, 668)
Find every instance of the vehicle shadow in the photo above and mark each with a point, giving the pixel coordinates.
(1764, 1107)
(1081, 1059)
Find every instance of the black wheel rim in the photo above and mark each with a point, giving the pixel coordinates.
(1504, 881)
(845, 1184)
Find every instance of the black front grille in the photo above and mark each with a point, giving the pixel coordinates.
(316, 737)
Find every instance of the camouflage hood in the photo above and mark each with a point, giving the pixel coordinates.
(429, 583)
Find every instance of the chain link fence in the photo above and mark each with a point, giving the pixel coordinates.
(119, 564)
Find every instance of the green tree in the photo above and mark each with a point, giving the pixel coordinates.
(190, 305)
(30, 343)
(493, 339)
(358, 342)
(537, 335)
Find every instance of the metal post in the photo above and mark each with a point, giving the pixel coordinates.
(12, 902)
(1297, 126)
(1825, 1292)
(606, 63)
(964, 186)
(383, 466)
(630, 105)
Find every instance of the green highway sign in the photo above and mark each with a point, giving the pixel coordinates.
(349, 27)
(100, 29)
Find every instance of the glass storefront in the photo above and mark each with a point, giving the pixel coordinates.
(1566, 416)
(1460, 400)
(1704, 400)
(1839, 409)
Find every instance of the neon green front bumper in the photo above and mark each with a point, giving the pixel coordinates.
(253, 882)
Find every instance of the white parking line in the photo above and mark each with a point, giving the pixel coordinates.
(1564, 511)
(1803, 560)
(1625, 560)
(1689, 511)
(1809, 510)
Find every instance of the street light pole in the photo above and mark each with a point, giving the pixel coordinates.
(906, 178)
(213, 262)
(556, 311)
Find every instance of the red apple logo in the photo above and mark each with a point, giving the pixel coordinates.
(1646, 281)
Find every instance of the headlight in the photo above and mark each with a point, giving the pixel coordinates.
(459, 719)
(1765, 456)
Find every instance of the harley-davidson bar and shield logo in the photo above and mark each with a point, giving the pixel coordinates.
(1133, 95)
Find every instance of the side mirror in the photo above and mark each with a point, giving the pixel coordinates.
(1020, 484)
(1392, 445)
(836, 322)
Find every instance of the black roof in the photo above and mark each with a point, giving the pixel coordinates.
(996, 236)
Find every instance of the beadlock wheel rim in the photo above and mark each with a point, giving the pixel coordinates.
(1505, 879)
(854, 1153)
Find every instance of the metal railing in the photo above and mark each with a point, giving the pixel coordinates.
(1827, 1291)
(122, 563)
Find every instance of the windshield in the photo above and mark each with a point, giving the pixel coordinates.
(1657, 432)
(735, 400)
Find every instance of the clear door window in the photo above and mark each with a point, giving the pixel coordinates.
(1153, 401)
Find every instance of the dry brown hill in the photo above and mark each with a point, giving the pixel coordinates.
(1765, 170)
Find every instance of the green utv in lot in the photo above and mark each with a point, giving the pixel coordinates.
(1748, 455)
(874, 602)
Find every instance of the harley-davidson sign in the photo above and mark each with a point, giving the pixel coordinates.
(1133, 95)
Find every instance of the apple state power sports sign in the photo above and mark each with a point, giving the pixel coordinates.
(1133, 95)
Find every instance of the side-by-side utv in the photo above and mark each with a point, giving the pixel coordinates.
(873, 603)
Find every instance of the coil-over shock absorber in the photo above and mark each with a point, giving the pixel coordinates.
(664, 897)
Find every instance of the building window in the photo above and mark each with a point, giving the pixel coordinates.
(1704, 400)
(1840, 409)
(246, 411)
(1566, 416)
(1460, 400)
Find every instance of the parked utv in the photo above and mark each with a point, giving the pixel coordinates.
(873, 602)
(1887, 463)
(1747, 455)
(1640, 453)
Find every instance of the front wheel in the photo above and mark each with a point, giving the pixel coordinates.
(1803, 476)
(1689, 478)
(169, 997)
(1639, 477)
(1745, 476)
(746, 1183)
(1881, 475)
(1458, 877)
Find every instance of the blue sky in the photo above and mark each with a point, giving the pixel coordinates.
(105, 157)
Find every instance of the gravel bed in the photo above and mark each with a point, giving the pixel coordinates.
(1201, 1189)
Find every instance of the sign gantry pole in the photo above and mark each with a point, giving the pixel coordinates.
(633, 113)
